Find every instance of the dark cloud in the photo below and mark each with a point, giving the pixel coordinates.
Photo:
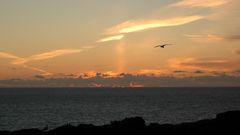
(237, 51)
(39, 76)
(237, 71)
(16, 79)
(13, 68)
(199, 72)
(180, 71)
(232, 37)
(217, 73)
(98, 74)
(127, 80)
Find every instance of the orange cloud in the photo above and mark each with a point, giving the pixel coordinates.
(97, 85)
(89, 74)
(107, 74)
(111, 74)
(151, 72)
(135, 85)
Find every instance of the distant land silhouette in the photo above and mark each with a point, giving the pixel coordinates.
(227, 123)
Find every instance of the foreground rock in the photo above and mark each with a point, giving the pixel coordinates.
(227, 123)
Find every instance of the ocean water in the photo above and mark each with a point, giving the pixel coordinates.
(37, 107)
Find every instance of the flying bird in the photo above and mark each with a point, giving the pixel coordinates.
(162, 46)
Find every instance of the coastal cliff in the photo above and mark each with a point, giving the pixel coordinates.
(227, 123)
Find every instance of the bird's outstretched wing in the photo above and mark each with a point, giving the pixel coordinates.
(162, 45)
(157, 46)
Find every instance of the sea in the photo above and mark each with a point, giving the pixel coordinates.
(22, 108)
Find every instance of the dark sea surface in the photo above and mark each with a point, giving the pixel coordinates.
(37, 107)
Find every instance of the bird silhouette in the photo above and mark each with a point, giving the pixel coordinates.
(162, 46)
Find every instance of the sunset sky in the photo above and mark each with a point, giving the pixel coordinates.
(105, 38)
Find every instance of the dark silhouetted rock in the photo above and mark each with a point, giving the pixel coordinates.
(227, 123)
(136, 122)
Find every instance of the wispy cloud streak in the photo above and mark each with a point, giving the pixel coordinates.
(7, 55)
(199, 3)
(53, 54)
(46, 55)
(140, 25)
(111, 38)
(135, 26)
(212, 37)
(206, 64)
(43, 56)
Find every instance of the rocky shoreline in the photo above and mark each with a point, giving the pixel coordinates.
(227, 123)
